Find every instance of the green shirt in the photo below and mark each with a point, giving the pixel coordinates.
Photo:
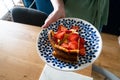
(93, 11)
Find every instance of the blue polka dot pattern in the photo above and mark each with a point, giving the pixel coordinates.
(93, 44)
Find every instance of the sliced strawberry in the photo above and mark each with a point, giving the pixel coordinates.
(82, 41)
(65, 45)
(55, 40)
(76, 28)
(61, 28)
(73, 37)
(82, 51)
(73, 45)
(59, 35)
(81, 46)
(68, 31)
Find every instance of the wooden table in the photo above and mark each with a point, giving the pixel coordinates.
(19, 59)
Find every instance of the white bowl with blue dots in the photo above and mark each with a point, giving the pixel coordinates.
(93, 44)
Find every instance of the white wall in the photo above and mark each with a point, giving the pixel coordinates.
(6, 5)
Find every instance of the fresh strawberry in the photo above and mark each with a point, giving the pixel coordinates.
(61, 28)
(82, 41)
(59, 35)
(73, 45)
(55, 40)
(81, 46)
(65, 45)
(68, 31)
(76, 28)
(82, 51)
(73, 37)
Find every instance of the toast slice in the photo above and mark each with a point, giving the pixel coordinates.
(66, 44)
(62, 53)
